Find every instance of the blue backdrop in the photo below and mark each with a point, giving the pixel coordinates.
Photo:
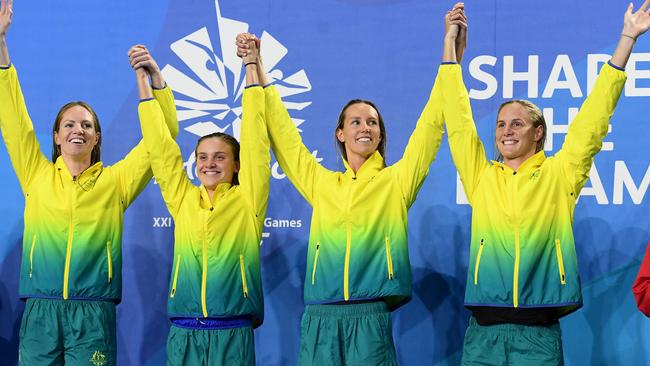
(324, 53)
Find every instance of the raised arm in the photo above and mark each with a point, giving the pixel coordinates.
(589, 127)
(254, 154)
(466, 148)
(425, 140)
(422, 147)
(140, 57)
(135, 169)
(163, 152)
(634, 25)
(294, 158)
(17, 129)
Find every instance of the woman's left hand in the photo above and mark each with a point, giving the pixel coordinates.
(637, 23)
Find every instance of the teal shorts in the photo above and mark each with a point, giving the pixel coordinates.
(350, 335)
(202, 347)
(512, 344)
(70, 332)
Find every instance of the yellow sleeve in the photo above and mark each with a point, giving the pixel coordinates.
(134, 171)
(588, 129)
(164, 154)
(467, 151)
(422, 147)
(18, 131)
(165, 98)
(254, 155)
(294, 158)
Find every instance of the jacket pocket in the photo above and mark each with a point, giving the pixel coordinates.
(242, 267)
(109, 261)
(560, 263)
(389, 258)
(313, 271)
(178, 264)
(478, 261)
(31, 256)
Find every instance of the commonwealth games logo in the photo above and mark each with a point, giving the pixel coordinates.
(208, 95)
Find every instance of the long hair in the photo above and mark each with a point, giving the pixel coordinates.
(56, 149)
(231, 141)
(382, 129)
(536, 118)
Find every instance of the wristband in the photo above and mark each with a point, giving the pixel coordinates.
(628, 36)
(250, 63)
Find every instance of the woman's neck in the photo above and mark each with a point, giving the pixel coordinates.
(76, 166)
(356, 161)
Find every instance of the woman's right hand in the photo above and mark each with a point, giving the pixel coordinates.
(6, 13)
(455, 34)
(248, 47)
(455, 20)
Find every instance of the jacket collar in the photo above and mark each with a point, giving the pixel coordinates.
(205, 197)
(368, 169)
(86, 179)
(530, 164)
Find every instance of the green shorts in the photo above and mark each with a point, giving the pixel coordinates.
(512, 344)
(351, 335)
(70, 332)
(201, 347)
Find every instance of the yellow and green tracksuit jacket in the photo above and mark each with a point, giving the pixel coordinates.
(522, 251)
(72, 243)
(216, 270)
(358, 237)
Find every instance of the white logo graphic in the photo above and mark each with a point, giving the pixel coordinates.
(208, 94)
(208, 97)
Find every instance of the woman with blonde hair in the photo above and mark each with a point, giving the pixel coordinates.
(523, 271)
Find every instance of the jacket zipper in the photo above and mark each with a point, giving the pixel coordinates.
(204, 271)
(478, 261)
(313, 272)
(515, 280)
(515, 275)
(31, 256)
(178, 264)
(243, 275)
(346, 268)
(110, 261)
(389, 258)
(560, 263)
(204, 280)
(68, 255)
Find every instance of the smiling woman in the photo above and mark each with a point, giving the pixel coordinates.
(520, 132)
(71, 269)
(358, 268)
(77, 135)
(217, 160)
(360, 132)
(215, 293)
(523, 271)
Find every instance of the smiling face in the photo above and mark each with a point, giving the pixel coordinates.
(518, 136)
(216, 162)
(76, 134)
(360, 131)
